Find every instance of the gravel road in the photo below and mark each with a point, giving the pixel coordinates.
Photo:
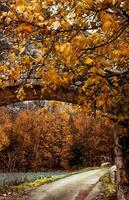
(75, 187)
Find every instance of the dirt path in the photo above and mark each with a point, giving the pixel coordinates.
(75, 187)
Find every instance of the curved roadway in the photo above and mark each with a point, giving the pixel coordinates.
(76, 187)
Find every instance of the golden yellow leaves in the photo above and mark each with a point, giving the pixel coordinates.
(20, 93)
(106, 25)
(93, 80)
(65, 52)
(65, 25)
(3, 68)
(112, 1)
(68, 52)
(4, 140)
(101, 4)
(79, 42)
(31, 11)
(89, 3)
(85, 4)
(88, 61)
(97, 88)
(123, 48)
(23, 5)
(20, 2)
(115, 54)
(1, 26)
(104, 102)
(64, 115)
(52, 79)
(20, 68)
(120, 52)
(97, 70)
(25, 62)
(37, 7)
(14, 73)
(12, 57)
(63, 47)
(49, 2)
(1, 83)
(21, 9)
(108, 22)
(5, 126)
(24, 27)
(20, 6)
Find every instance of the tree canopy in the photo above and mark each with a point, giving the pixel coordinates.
(82, 45)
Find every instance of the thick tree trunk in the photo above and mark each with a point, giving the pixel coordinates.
(121, 172)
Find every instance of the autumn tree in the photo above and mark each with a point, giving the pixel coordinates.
(93, 141)
(5, 125)
(43, 137)
(6, 160)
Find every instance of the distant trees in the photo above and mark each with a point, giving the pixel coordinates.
(5, 124)
(41, 140)
(47, 136)
(93, 140)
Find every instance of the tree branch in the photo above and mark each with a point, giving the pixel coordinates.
(112, 39)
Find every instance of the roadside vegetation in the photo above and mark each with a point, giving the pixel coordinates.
(15, 188)
(107, 189)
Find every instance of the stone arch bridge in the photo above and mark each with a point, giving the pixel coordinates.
(70, 94)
